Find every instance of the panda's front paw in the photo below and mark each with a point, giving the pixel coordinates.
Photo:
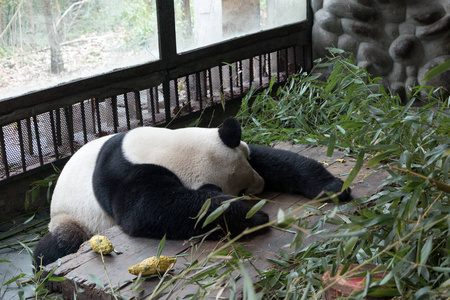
(258, 219)
(336, 186)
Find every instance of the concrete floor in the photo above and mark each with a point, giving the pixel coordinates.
(15, 260)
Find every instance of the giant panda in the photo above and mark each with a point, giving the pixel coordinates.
(153, 181)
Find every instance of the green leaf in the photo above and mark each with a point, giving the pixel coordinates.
(255, 208)
(97, 281)
(280, 216)
(29, 219)
(349, 245)
(57, 279)
(439, 69)
(331, 144)
(447, 152)
(249, 289)
(342, 130)
(216, 213)
(203, 211)
(408, 206)
(34, 194)
(442, 269)
(385, 219)
(13, 279)
(332, 84)
(367, 284)
(379, 292)
(426, 250)
(354, 171)
(49, 189)
(161, 247)
(376, 159)
(27, 201)
(282, 263)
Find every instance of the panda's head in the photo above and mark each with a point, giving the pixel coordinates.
(197, 156)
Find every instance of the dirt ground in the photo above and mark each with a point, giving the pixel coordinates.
(26, 70)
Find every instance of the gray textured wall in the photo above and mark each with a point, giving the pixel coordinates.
(398, 40)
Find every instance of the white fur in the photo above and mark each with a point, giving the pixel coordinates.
(74, 194)
(196, 155)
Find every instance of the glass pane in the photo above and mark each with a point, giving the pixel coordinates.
(204, 22)
(47, 42)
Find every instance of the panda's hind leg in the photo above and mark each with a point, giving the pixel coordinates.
(289, 172)
(64, 238)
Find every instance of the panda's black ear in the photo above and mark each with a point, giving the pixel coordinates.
(230, 133)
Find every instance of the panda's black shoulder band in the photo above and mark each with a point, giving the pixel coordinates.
(230, 133)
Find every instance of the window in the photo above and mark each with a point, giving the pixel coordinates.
(47, 42)
(204, 22)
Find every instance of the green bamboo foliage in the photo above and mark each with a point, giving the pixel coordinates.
(404, 227)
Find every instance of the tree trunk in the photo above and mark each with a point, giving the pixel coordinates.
(2, 16)
(30, 20)
(57, 62)
(187, 19)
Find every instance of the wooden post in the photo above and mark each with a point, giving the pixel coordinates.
(167, 44)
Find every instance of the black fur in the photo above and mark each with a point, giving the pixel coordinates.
(289, 172)
(230, 133)
(63, 240)
(148, 200)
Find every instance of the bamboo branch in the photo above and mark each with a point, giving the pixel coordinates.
(436, 184)
(68, 10)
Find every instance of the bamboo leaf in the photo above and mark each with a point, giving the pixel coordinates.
(380, 220)
(282, 263)
(29, 219)
(161, 247)
(332, 84)
(203, 211)
(215, 214)
(426, 250)
(13, 279)
(383, 292)
(376, 159)
(442, 270)
(97, 281)
(57, 279)
(331, 144)
(447, 152)
(280, 216)
(255, 208)
(439, 69)
(249, 289)
(408, 206)
(354, 171)
(349, 245)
